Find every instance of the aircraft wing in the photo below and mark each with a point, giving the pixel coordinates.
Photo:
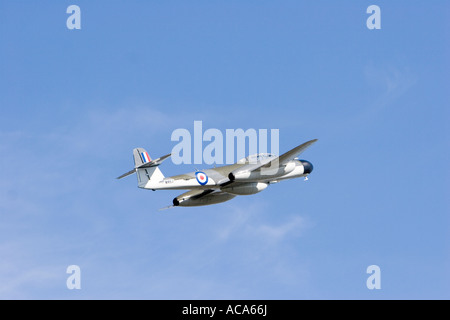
(290, 155)
(206, 197)
(278, 161)
(194, 194)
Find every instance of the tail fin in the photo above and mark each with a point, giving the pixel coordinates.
(140, 157)
(144, 173)
(145, 168)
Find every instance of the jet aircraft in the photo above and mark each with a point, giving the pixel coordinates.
(248, 176)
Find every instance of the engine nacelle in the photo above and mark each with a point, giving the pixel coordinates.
(245, 189)
(208, 199)
(244, 175)
(240, 175)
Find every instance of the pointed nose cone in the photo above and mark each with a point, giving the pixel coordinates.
(307, 167)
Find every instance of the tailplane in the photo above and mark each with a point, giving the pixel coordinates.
(145, 168)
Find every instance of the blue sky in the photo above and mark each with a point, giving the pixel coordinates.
(74, 103)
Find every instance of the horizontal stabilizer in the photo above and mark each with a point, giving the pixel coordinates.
(142, 161)
(127, 174)
(154, 163)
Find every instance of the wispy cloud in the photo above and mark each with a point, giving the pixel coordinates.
(392, 82)
(102, 129)
(245, 223)
(46, 191)
(20, 275)
(384, 86)
(293, 227)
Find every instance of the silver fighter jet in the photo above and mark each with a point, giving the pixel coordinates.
(247, 176)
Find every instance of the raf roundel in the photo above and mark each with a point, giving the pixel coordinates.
(202, 178)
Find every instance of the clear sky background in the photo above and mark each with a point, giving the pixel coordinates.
(74, 103)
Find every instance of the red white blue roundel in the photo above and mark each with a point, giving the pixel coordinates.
(202, 178)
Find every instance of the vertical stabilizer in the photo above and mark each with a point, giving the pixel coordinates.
(145, 174)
